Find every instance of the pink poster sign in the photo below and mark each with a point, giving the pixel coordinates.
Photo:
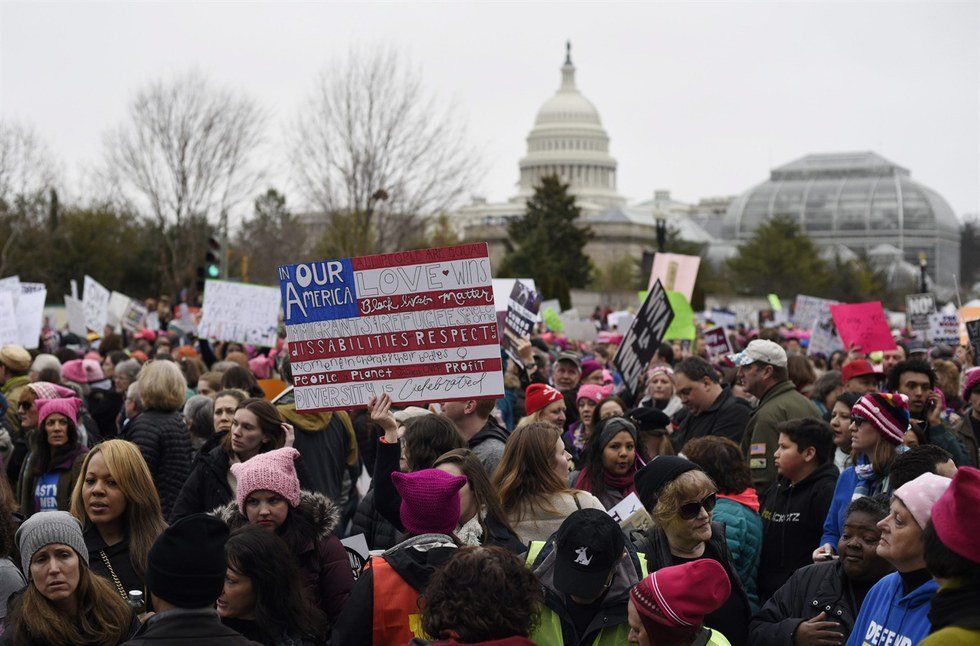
(863, 325)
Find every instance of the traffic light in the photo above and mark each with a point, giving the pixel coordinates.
(212, 260)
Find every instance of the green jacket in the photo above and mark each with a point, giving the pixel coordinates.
(781, 403)
(609, 627)
(12, 390)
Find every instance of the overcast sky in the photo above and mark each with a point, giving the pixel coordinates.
(699, 98)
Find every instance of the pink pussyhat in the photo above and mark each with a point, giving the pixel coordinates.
(68, 406)
(270, 471)
(48, 390)
(921, 494)
(430, 500)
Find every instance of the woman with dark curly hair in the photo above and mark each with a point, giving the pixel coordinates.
(462, 603)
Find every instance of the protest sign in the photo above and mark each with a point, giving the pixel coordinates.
(724, 318)
(418, 326)
(973, 332)
(808, 310)
(552, 319)
(717, 343)
(863, 326)
(11, 285)
(577, 328)
(522, 312)
(966, 313)
(620, 320)
(502, 288)
(644, 335)
(8, 319)
(918, 307)
(775, 303)
(95, 301)
(676, 272)
(118, 303)
(824, 339)
(630, 514)
(134, 318)
(552, 303)
(944, 329)
(237, 312)
(76, 316)
(30, 314)
(682, 327)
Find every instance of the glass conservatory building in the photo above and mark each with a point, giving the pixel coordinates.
(860, 200)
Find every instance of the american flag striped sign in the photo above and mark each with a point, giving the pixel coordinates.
(419, 326)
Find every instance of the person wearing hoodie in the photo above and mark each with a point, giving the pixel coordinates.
(822, 600)
(587, 570)
(384, 605)
(56, 457)
(481, 432)
(268, 494)
(953, 557)
(328, 444)
(793, 512)
(738, 506)
(462, 604)
(896, 610)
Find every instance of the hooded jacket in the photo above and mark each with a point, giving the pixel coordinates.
(207, 486)
(414, 561)
(889, 617)
(609, 625)
(726, 417)
(488, 445)
(780, 403)
(816, 588)
(739, 513)
(328, 444)
(323, 563)
(792, 523)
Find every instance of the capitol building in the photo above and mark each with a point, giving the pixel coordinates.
(851, 204)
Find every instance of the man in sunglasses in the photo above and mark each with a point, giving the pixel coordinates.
(762, 372)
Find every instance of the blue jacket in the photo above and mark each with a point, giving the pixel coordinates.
(743, 534)
(888, 617)
(834, 524)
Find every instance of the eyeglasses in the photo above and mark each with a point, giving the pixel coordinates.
(857, 419)
(25, 405)
(690, 511)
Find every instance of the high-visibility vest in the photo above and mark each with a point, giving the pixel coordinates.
(549, 633)
(397, 618)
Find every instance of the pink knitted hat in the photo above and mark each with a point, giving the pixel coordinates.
(593, 392)
(430, 500)
(67, 406)
(82, 371)
(48, 390)
(261, 367)
(271, 471)
(921, 494)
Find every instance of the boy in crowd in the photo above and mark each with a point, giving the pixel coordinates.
(794, 508)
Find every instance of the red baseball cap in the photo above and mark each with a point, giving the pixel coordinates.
(859, 368)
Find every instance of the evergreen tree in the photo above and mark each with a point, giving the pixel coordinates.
(547, 243)
(779, 259)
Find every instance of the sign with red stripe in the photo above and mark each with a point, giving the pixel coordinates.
(419, 326)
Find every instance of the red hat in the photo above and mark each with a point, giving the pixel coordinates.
(954, 515)
(887, 412)
(681, 595)
(859, 368)
(537, 396)
(147, 334)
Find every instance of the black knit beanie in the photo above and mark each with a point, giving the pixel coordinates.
(187, 563)
(657, 474)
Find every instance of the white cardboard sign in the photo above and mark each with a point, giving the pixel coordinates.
(240, 312)
(95, 301)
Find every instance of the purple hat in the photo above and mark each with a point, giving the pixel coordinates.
(430, 500)
(971, 381)
(589, 366)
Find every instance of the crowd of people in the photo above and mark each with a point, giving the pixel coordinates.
(165, 489)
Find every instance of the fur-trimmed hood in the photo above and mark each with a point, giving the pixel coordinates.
(326, 514)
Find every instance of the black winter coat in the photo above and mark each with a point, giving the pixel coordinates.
(164, 441)
(653, 544)
(378, 532)
(187, 628)
(726, 417)
(792, 524)
(207, 486)
(816, 588)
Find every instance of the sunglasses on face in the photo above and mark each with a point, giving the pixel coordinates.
(24, 405)
(690, 511)
(857, 419)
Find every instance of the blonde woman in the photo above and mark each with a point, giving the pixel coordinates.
(160, 431)
(119, 510)
(533, 482)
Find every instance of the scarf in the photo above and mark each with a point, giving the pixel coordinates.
(622, 483)
(869, 483)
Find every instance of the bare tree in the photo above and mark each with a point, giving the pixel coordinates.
(376, 152)
(27, 175)
(187, 154)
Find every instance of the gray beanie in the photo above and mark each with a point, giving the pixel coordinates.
(44, 528)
